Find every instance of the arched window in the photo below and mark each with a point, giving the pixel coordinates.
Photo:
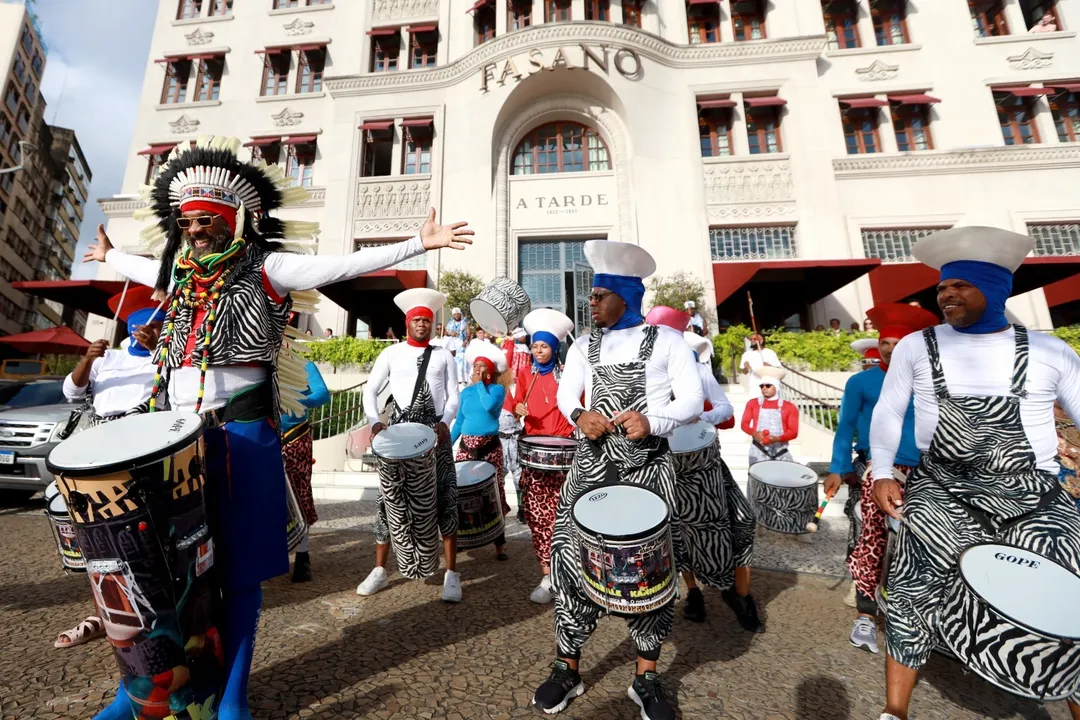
(561, 147)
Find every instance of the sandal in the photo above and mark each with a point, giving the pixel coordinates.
(89, 629)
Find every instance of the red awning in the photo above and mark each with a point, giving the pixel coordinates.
(158, 149)
(384, 31)
(307, 48)
(771, 101)
(54, 341)
(414, 29)
(89, 295)
(417, 123)
(702, 2)
(299, 139)
(915, 99)
(206, 56)
(893, 282)
(171, 58)
(262, 141)
(1068, 87)
(479, 4)
(1023, 91)
(816, 278)
(271, 51)
(1063, 291)
(710, 104)
(863, 102)
(350, 293)
(377, 125)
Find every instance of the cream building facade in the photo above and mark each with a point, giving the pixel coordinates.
(786, 147)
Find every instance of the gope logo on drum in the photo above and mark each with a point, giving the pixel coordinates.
(598, 496)
(1033, 564)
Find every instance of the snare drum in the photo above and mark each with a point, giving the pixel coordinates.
(296, 527)
(691, 438)
(624, 540)
(784, 495)
(500, 307)
(135, 489)
(546, 452)
(405, 454)
(1011, 617)
(63, 530)
(480, 518)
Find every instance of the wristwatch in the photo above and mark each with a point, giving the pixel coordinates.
(576, 414)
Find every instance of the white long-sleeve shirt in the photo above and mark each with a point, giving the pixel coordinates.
(121, 382)
(398, 363)
(671, 368)
(721, 407)
(974, 365)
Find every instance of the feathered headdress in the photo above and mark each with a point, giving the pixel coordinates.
(210, 176)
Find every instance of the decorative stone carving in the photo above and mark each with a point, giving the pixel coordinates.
(184, 125)
(959, 161)
(398, 9)
(729, 213)
(299, 27)
(748, 182)
(199, 37)
(286, 118)
(876, 71)
(1032, 60)
(391, 227)
(392, 199)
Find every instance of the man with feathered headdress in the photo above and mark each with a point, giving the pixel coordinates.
(229, 288)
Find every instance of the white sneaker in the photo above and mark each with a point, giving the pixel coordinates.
(887, 716)
(373, 583)
(864, 634)
(542, 595)
(850, 599)
(451, 587)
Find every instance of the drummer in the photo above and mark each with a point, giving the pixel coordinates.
(769, 420)
(222, 267)
(984, 394)
(517, 359)
(432, 402)
(639, 384)
(535, 402)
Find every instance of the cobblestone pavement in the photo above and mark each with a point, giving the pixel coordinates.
(324, 652)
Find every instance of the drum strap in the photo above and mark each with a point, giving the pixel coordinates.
(421, 376)
(985, 520)
(765, 450)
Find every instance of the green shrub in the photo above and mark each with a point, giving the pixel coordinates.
(1070, 335)
(460, 287)
(345, 351)
(819, 351)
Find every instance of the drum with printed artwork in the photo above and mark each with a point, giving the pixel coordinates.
(480, 518)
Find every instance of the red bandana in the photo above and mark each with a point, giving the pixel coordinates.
(418, 311)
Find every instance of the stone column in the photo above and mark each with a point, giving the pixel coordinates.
(398, 151)
(577, 9)
(867, 39)
(1044, 120)
(1014, 17)
(885, 127)
(502, 8)
(727, 30)
(740, 140)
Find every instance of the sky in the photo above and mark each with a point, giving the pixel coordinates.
(93, 78)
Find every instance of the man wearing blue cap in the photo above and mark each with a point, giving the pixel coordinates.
(984, 394)
(639, 382)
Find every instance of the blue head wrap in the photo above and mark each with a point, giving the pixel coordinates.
(137, 319)
(993, 281)
(632, 292)
(552, 342)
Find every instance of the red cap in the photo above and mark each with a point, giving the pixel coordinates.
(419, 311)
(897, 320)
(138, 297)
(872, 354)
(668, 317)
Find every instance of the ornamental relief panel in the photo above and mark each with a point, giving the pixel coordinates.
(397, 9)
(754, 181)
(392, 199)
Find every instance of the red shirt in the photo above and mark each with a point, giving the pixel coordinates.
(544, 417)
(789, 418)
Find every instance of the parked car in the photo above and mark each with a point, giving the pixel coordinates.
(32, 415)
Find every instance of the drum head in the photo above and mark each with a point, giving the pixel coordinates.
(403, 441)
(550, 442)
(620, 511)
(1027, 587)
(783, 474)
(690, 438)
(473, 472)
(488, 317)
(51, 491)
(56, 505)
(124, 444)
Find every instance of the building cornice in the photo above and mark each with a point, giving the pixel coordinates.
(649, 46)
(949, 162)
(123, 206)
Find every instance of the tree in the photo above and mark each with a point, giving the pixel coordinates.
(673, 291)
(460, 287)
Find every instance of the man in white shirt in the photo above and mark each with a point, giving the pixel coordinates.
(697, 323)
(432, 401)
(984, 423)
(755, 358)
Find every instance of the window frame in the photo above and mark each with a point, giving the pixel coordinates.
(312, 82)
(221, 8)
(259, 152)
(203, 70)
(883, 14)
(594, 9)
(761, 134)
(177, 71)
(372, 139)
(484, 24)
(379, 44)
(987, 14)
(1071, 102)
(847, 114)
(555, 8)
(714, 120)
(533, 137)
(286, 4)
(426, 42)
(902, 116)
(281, 79)
(849, 12)
(417, 136)
(154, 164)
(698, 23)
(1016, 127)
(516, 11)
(740, 15)
(633, 12)
(304, 171)
(185, 6)
(1051, 7)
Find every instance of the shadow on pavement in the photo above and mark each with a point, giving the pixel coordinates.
(968, 690)
(822, 698)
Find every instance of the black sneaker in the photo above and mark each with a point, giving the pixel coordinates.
(648, 692)
(557, 691)
(694, 609)
(302, 568)
(746, 611)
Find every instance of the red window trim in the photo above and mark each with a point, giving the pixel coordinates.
(768, 101)
(417, 123)
(299, 139)
(384, 32)
(158, 149)
(262, 141)
(861, 103)
(717, 103)
(376, 125)
(914, 99)
(1023, 91)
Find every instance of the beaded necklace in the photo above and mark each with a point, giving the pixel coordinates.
(209, 272)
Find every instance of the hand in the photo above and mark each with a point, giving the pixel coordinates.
(479, 374)
(442, 432)
(434, 236)
(97, 349)
(376, 429)
(147, 335)
(889, 496)
(635, 424)
(99, 250)
(832, 484)
(757, 436)
(520, 410)
(594, 425)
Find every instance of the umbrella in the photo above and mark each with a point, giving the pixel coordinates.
(54, 341)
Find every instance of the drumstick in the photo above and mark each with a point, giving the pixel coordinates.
(528, 392)
(812, 525)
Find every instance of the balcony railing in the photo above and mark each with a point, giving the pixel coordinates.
(817, 401)
(1056, 239)
(770, 242)
(343, 413)
(894, 244)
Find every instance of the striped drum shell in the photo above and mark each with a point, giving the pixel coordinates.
(501, 306)
(784, 495)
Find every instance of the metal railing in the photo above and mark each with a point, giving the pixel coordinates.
(817, 401)
(344, 412)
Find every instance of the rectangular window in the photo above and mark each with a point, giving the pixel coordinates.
(748, 18)
(1017, 118)
(24, 120)
(276, 72)
(7, 133)
(599, 10)
(703, 23)
(631, 13)
(841, 23)
(520, 14)
(912, 125)
(763, 129)
(861, 130)
(894, 244)
(221, 8)
(423, 46)
(769, 242)
(1041, 15)
(378, 148)
(285, 4)
(177, 73)
(319, 2)
(385, 50)
(1065, 108)
(484, 24)
(189, 9)
(11, 98)
(418, 135)
(27, 39)
(309, 72)
(557, 11)
(37, 63)
(267, 150)
(19, 68)
(208, 78)
(156, 161)
(1056, 238)
(890, 21)
(714, 127)
(300, 163)
(988, 18)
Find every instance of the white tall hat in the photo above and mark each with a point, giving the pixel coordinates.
(1003, 248)
(619, 258)
(702, 346)
(861, 346)
(689, 304)
(548, 320)
(433, 300)
(768, 375)
(480, 349)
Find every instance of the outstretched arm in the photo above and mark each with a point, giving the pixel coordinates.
(846, 427)
(142, 270)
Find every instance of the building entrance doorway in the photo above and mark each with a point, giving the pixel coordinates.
(555, 275)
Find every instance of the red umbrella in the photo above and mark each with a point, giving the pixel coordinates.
(54, 341)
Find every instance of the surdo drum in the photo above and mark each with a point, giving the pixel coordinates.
(624, 541)
(480, 518)
(784, 495)
(546, 452)
(63, 529)
(690, 439)
(136, 491)
(501, 306)
(1011, 617)
(405, 453)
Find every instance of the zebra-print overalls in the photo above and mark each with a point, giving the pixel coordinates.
(615, 388)
(977, 482)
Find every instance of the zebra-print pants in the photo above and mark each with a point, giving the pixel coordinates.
(923, 571)
(742, 519)
(446, 497)
(701, 501)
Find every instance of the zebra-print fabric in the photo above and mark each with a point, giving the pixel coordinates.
(783, 509)
(742, 518)
(979, 460)
(701, 504)
(615, 388)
